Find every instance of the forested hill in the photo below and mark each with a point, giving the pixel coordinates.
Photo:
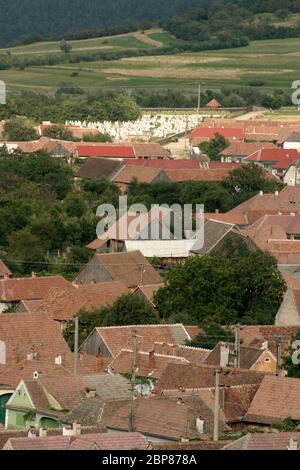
(30, 20)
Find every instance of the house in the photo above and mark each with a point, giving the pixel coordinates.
(252, 358)
(149, 365)
(166, 164)
(201, 174)
(109, 341)
(153, 225)
(131, 269)
(291, 174)
(32, 336)
(147, 292)
(219, 236)
(97, 168)
(166, 419)
(13, 290)
(190, 353)
(213, 104)
(268, 335)
(266, 441)
(127, 150)
(78, 441)
(276, 399)
(292, 141)
(269, 158)
(238, 150)
(43, 401)
(193, 377)
(287, 201)
(99, 150)
(233, 219)
(140, 174)
(150, 150)
(4, 270)
(203, 134)
(64, 304)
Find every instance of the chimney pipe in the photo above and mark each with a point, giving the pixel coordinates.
(224, 355)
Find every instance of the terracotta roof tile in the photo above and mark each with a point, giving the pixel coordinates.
(124, 267)
(117, 338)
(29, 288)
(64, 304)
(191, 376)
(245, 148)
(106, 150)
(209, 132)
(277, 398)
(208, 174)
(4, 270)
(148, 364)
(265, 441)
(140, 173)
(91, 441)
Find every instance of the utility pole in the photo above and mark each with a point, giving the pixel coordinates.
(76, 334)
(278, 339)
(185, 135)
(237, 347)
(142, 274)
(217, 405)
(199, 98)
(133, 374)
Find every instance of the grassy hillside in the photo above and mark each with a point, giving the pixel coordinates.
(274, 62)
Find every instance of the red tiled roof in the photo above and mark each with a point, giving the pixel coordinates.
(235, 219)
(253, 335)
(273, 155)
(198, 175)
(245, 148)
(105, 150)
(124, 267)
(64, 304)
(277, 398)
(148, 364)
(213, 104)
(192, 376)
(29, 288)
(4, 270)
(90, 441)
(150, 150)
(165, 164)
(264, 441)
(120, 337)
(25, 333)
(140, 173)
(210, 132)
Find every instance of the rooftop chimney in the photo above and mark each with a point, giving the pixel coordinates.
(58, 360)
(261, 193)
(43, 432)
(264, 345)
(224, 355)
(76, 429)
(293, 444)
(30, 356)
(31, 433)
(151, 363)
(276, 193)
(33, 274)
(200, 425)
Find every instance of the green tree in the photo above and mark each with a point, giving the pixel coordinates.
(250, 179)
(214, 147)
(127, 310)
(247, 288)
(65, 46)
(60, 132)
(212, 334)
(19, 130)
(25, 252)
